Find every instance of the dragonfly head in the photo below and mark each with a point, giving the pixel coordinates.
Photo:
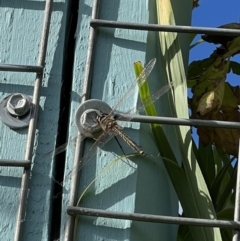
(91, 121)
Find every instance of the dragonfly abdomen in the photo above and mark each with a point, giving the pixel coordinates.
(109, 124)
(130, 142)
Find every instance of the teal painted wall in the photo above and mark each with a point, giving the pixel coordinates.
(144, 186)
(20, 31)
(141, 187)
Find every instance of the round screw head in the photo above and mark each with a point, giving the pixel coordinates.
(86, 116)
(18, 104)
(89, 121)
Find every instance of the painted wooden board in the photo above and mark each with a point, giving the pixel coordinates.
(143, 185)
(20, 32)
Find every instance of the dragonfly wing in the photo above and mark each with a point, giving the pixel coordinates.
(138, 81)
(146, 103)
(64, 146)
(155, 96)
(99, 143)
(145, 72)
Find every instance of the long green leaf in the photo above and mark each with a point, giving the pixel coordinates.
(176, 173)
(157, 130)
(184, 233)
(172, 63)
(227, 191)
(205, 159)
(221, 182)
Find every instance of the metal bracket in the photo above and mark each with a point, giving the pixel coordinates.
(87, 114)
(16, 110)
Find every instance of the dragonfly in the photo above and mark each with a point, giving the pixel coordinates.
(108, 122)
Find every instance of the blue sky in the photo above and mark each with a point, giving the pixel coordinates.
(213, 14)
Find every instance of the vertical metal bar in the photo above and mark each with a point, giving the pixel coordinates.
(33, 121)
(236, 235)
(79, 145)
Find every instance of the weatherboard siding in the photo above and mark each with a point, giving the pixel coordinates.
(143, 186)
(20, 32)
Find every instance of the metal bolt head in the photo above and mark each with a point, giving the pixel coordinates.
(18, 104)
(86, 117)
(89, 121)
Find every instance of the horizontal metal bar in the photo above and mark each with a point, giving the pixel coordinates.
(164, 28)
(21, 68)
(15, 163)
(153, 218)
(179, 121)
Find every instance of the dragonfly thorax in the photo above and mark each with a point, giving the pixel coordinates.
(107, 122)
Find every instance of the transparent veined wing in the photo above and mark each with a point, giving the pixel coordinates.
(64, 146)
(154, 97)
(138, 81)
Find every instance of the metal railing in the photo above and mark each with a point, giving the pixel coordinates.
(72, 210)
(38, 69)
